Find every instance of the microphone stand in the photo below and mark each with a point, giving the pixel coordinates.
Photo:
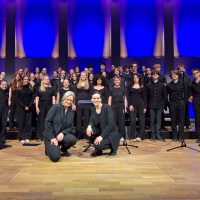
(124, 94)
(183, 144)
(59, 80)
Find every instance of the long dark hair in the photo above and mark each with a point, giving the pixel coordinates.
(21, 84)
(140, 80)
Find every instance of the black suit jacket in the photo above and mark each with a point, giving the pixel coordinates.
(55, 122)
(107, 124)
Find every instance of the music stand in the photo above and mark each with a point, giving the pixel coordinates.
(85, 104)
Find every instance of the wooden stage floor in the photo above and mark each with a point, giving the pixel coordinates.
(150, 172)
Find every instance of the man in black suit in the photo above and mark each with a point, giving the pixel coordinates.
(187, 81)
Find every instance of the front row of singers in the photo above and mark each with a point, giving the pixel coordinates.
(152, 97)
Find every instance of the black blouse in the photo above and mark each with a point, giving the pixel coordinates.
(25, 97)
(117, 94)
(104, 94)
(47, 95)
(136, 96)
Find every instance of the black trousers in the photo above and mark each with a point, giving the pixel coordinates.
(105, 143)
(118, 108)
(53, 152)
(80, 113)
(34, 117)
(176, 110)
(13, 112)
(187, 118)
(44, 107)
(155, 117)
(196, 108)
(24, 123)
(138, 109)
(3, 122)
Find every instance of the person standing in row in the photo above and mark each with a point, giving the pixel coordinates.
(66, 87)
(156, 99)
(103, 66)
(59, 83)
(84, 91)
(136, 96)
(116, 101)
(102, 130)
(187, 81)
(100, 85)
(45, 98)
(37, 72)
(90, 78)
(58, 124)
(111, 82)
(148, 78)
(4, 109)
(2, 76)
(194, 96)
(13, 100)
(176, 105)
(39, 80)
(90, 68)
(77, 70)
(54, 79)
(25, 98)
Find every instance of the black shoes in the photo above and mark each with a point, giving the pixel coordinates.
(160, 139)
(153, 139)
(198, 141)
(112, 153)
(96, 153)
(66, 154)
(174, 139)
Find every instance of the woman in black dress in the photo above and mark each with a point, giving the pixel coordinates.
(58, 124)
(91, 78)
(137, 102)
(13, 99)
(25, 98)
(111, 82)
(116, 101)
(45, 98)
(84, 91)
(100, 85)
(37, 72)
(102, 130)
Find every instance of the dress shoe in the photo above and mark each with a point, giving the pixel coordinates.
(160, 139)
(174, 139)
(153, 139)
(66, 154)
(96, 153)
(113, 153)
(198, 141)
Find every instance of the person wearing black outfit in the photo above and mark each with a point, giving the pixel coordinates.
(194, 97)
(116, 101)
(136, 96)
(77, 70)
(4, 110)
(187, 80)
(90, 78)
(55, 78)
(111, 82)
(45, 98)
(59, 83)
(111, 74)
(144, 71)
(38, 83)
(103, 66)
(133, 71)
(13, 99)
(147, 77)
(37, 72)
(162, 77)
(102, 130)
(25, 98)
(2, 76)
(83, 91)
(176, 105)
(90, 68)
(59, 124)
(156, 99)
(100, 85)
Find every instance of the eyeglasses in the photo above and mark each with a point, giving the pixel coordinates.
(195, 73)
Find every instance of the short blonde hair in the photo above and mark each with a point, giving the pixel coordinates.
(156, 66)
(67, 94)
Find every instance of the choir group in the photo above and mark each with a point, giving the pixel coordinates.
(30, 96)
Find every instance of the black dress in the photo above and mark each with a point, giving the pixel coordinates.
(44, 105)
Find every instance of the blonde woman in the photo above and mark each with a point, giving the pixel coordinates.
(58, 124)
(84, 92)
(45, 98)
